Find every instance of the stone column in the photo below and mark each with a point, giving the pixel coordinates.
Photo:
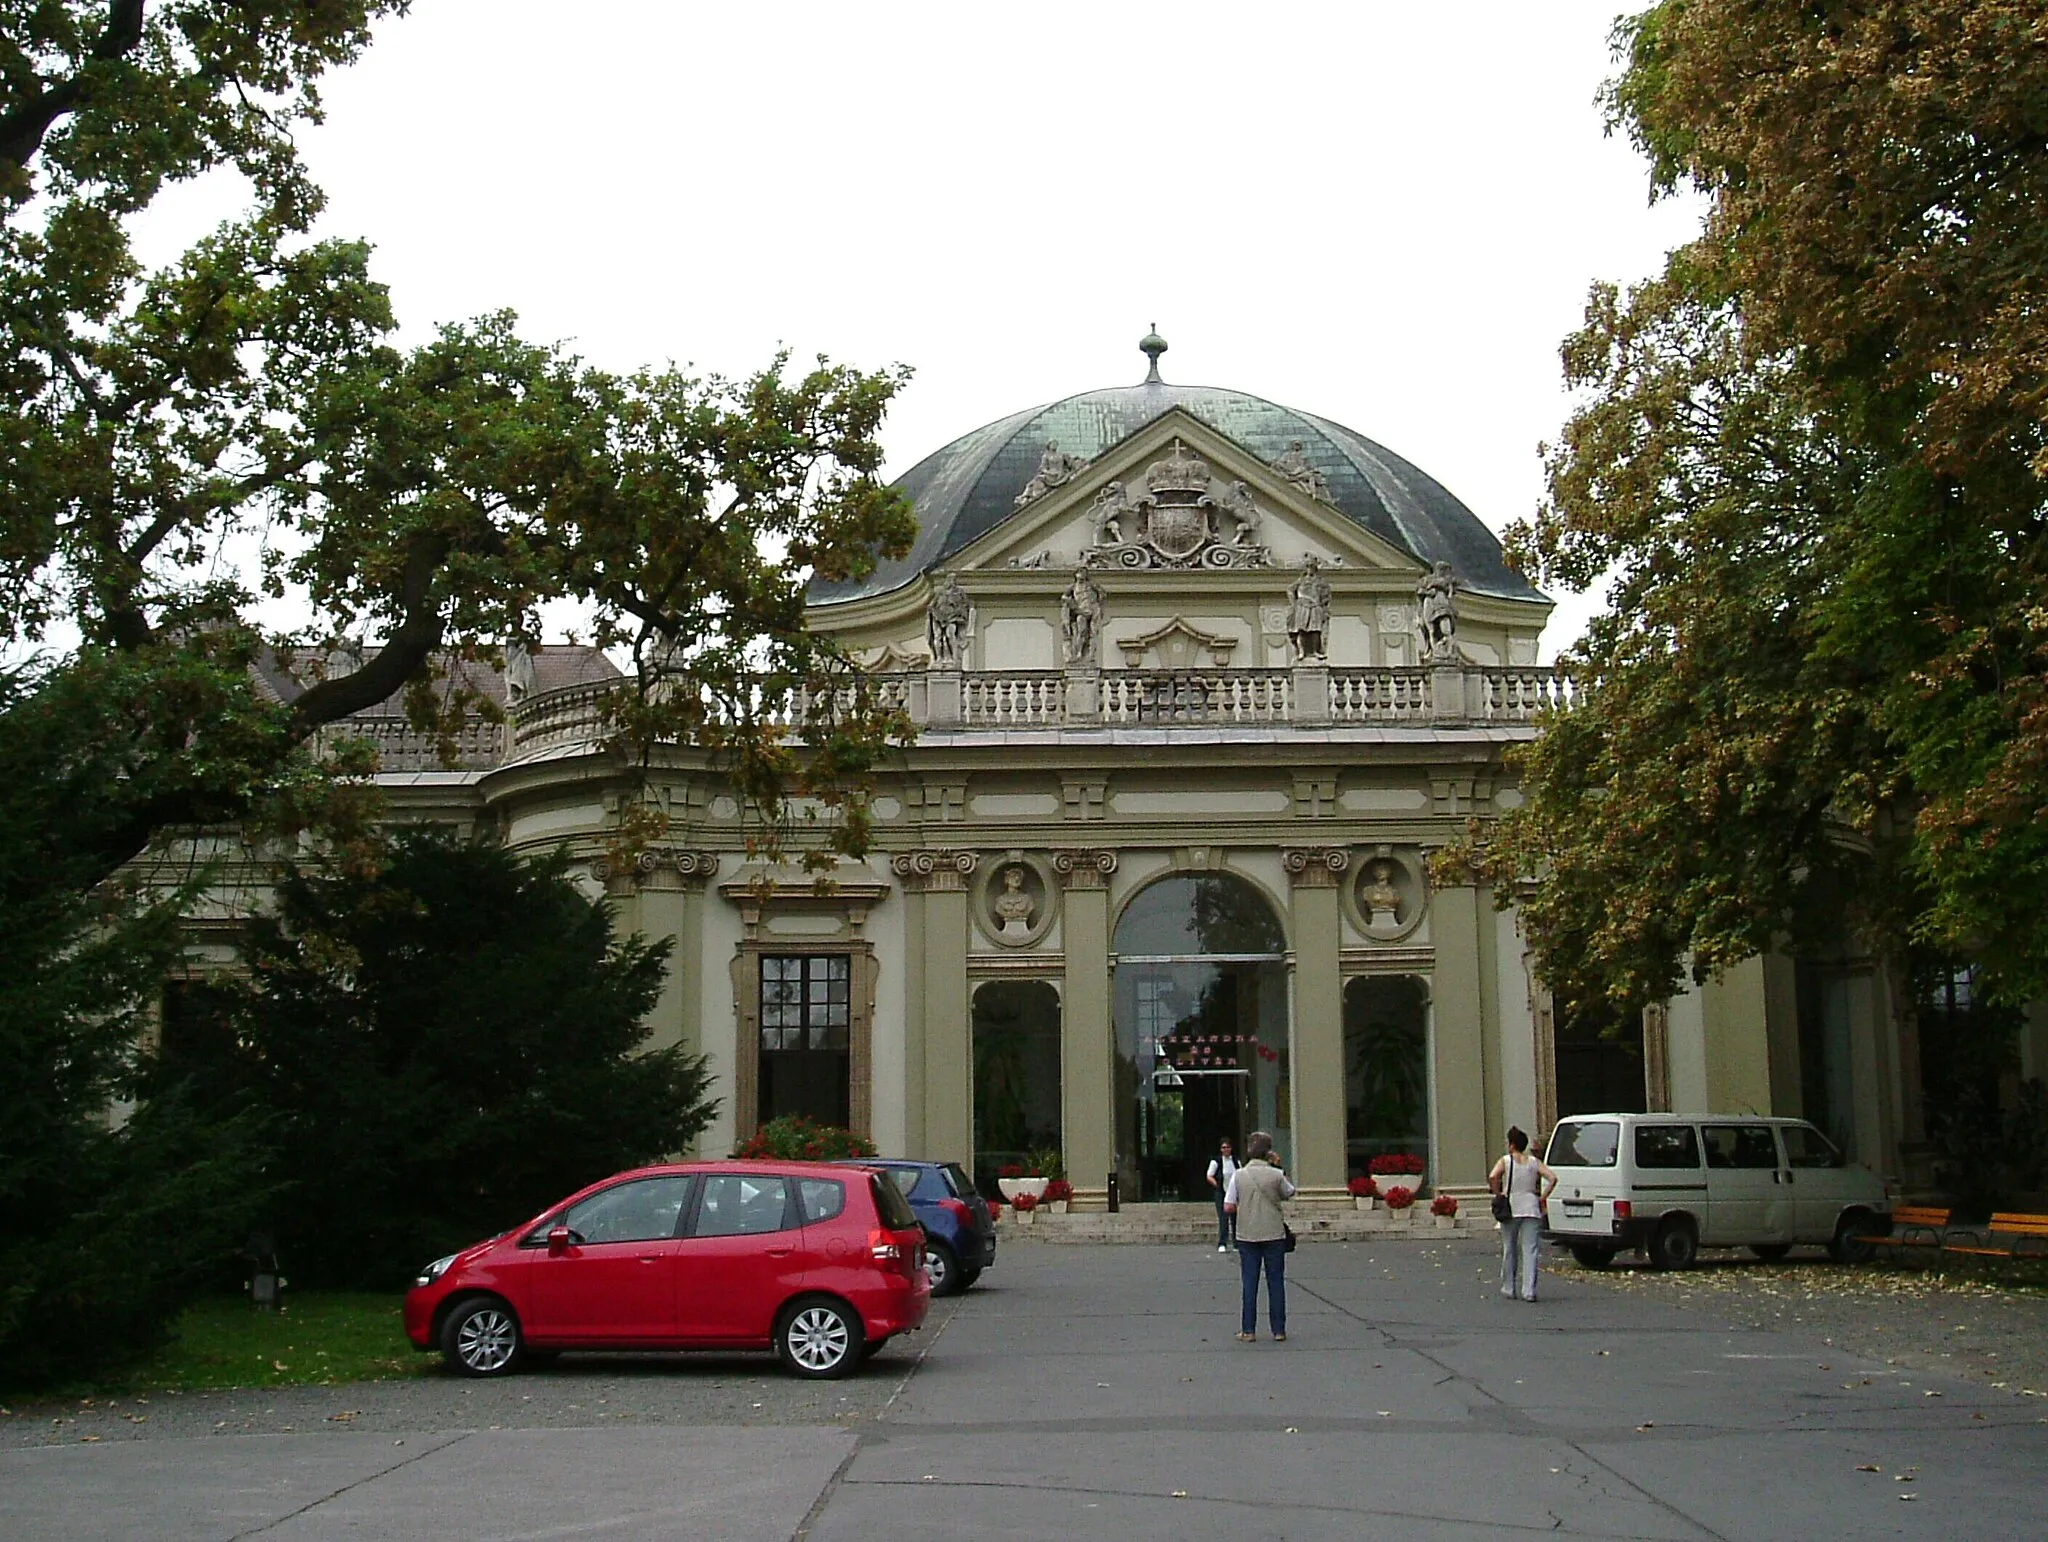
(1462, 1142)
(944, 1104)
(1087, 1034)
(1317, 1061)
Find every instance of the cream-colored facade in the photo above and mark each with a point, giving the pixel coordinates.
(1195, 704)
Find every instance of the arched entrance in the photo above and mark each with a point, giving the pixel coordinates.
(1201, 1007)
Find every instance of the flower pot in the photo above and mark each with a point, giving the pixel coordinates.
(1059, 1206)
(1366, 1204)
(1445, 1222)
(1012, 1187)
(1399, 1217)
(1023, 1217)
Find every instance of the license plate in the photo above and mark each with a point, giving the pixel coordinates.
(1578, 1207)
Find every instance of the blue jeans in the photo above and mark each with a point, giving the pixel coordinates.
(1273, 1257)
(1518, 1239)
(1223, 1221)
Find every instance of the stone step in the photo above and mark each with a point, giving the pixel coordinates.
(1199, 1225)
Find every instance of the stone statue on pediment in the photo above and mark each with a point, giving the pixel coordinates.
(1056, 468)
(520, 677)
(1238, 504)
(1436, 621)
(1112, 508)
(1308, 612)
(946, 622)
(1013, 907)
(1293, 465)
(1080, 619)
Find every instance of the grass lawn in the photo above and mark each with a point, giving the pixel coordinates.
(319, 1336)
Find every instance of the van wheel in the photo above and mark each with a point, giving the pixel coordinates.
(1852, 1239)
(1592, 1257)
(1674, 1245)
(1770, 1253)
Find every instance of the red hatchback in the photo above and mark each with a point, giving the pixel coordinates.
(823, 1264)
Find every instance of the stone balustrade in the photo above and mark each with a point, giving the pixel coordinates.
(1307, 696)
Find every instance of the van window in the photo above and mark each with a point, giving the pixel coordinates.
(1666, 1146)
(1585, 1143)
(1807, 1147)
(1740, 1145)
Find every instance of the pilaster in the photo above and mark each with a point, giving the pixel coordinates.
(1087, 1044)
(939, 1059)
(1461, 1138)
(1317, 1057)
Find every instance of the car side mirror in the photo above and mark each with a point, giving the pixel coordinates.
(558, 1241)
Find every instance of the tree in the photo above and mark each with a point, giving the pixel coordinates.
(1812, 456)
(440, 1049)
(118, 1221)
(434, 497)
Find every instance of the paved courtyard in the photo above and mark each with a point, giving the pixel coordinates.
(1099, 1392)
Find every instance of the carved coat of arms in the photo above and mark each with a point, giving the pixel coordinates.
(1175, 524)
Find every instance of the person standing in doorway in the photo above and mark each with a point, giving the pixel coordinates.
(1222, 1168)
(1253, 1197)
(1528, 1184)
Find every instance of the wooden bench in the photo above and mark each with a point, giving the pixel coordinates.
(2025, 1237)
(1914, 1226)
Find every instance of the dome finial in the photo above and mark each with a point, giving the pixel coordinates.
(1152, 345)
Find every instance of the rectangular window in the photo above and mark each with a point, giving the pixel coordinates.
(1666, 1146)
(806, 1023)
(1741, 1146)
(1585, 1143)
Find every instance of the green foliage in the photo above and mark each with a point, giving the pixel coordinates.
(1811, 459)
(796, 1138)
(444, 1047)
(116, 1222)
(430, 499)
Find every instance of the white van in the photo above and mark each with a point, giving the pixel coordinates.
(1668, 1185)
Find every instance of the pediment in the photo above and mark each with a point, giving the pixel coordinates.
(1177, 496)
(1179, 644)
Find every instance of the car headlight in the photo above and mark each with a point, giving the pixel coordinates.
(433, 1271)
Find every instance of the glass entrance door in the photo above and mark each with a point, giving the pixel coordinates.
(1201, 1006)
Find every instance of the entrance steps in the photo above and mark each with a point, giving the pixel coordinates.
(1183, 1223)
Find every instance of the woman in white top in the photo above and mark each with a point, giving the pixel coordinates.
(1527, 1184)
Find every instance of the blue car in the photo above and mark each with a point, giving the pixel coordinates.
(960, 1234)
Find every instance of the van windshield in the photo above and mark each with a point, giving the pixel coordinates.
(1585, 1143)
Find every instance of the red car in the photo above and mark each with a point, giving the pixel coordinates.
(824, 1264)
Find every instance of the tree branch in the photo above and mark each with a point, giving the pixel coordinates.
(23, 130)
(409, 646)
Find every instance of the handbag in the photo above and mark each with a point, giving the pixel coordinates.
(1288, 1238)
(1503, 1208)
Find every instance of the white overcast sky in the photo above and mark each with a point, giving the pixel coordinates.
(1385, 214)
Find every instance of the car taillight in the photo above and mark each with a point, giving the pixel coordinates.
(1623, 1210)
(957, 1209)
(884, 1247)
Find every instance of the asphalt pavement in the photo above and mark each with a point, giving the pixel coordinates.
(1084, 1392)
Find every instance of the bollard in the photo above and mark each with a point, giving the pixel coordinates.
(1113, 1206)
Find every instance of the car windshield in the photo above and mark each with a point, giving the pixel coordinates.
(1585, 1143)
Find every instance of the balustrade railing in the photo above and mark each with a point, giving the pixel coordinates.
(1380, 696)
(949, 701)
(1034, 699)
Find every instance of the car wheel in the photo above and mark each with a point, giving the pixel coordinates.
(481, 1338)
(1771, 1252)
(1592, 1257)
(943, 1264)
(819, 1339)
(1675, 1245)
(1852, 1240)
(968, 1277)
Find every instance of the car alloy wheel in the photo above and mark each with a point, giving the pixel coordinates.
(942, 1267)
(820, 1338)
(482, 1339)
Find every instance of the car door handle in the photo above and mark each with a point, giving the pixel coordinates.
(650, 1258)
(780, 1252)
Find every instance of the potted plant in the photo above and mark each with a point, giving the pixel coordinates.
(794, 1138)
(1366, 1191)
(1015, 1178)
(1445, 1208)
(1024, 1204)
(1399, 1164)
(1399, 1201)
(1058, 1193)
